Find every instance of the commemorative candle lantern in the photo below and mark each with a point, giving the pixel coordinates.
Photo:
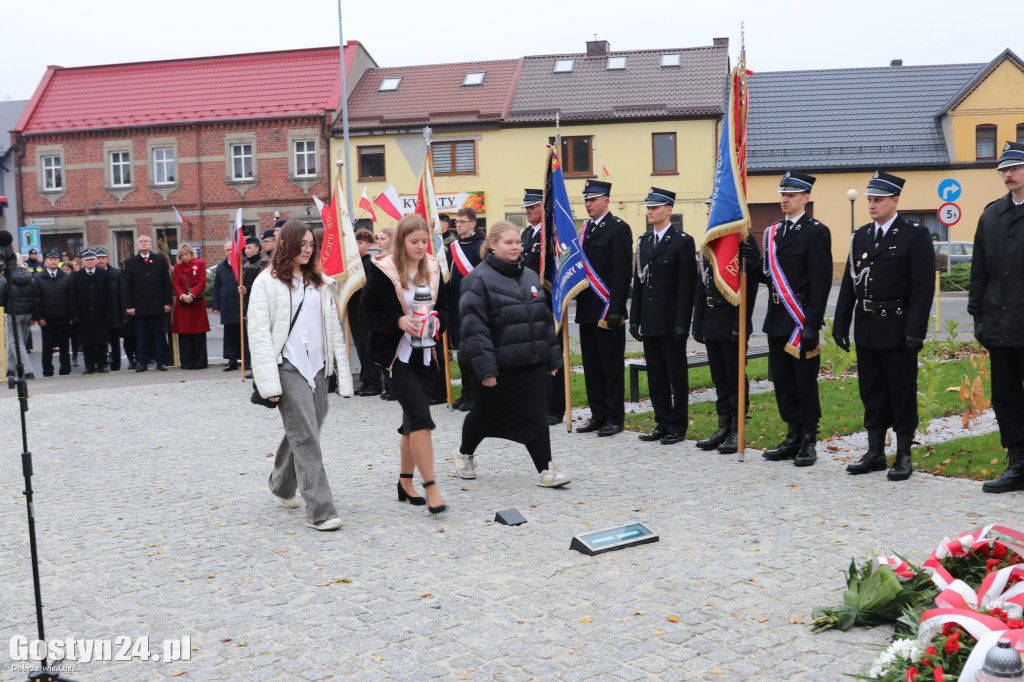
(423, 310)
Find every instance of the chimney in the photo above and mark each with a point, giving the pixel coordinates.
(598, 48)
(720, 42)
(896, 62)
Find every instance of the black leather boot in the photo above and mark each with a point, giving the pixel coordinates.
(808, 453)
(716, 438)
(874, 458)
(731, 442)
(901, 468)
(1012, 478)
(788, 448)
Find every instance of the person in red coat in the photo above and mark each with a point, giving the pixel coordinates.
(190, 321)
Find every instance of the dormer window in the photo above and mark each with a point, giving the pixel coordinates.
(474, 78)
(564, 65)
(670, 60)
(389, 84)
(616, 64)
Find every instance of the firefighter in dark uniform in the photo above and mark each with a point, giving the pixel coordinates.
(114, 333)
(887, 288)
(662, 307)
(93, 308)
(608, 246)
(998, 310)
(797, 267)
(716, 324)
(530, 237)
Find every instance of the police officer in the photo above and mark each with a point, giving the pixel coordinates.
(92, 309)
(887, 288)
(608, 246)
(660, 314)
(530, 237)
(797, 267)
(998, 310)
(716, 324)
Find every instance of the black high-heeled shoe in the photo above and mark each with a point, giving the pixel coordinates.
(404, 496)
(434, 510)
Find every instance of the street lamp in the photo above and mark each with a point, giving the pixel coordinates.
(852, 196)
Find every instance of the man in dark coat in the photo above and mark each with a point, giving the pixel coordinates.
(997, 278)
(225, 303)
(147, 298)
(369, 373)
(530, 238)
(887, 288)
(26, 309)
(797, 267)
(92, 308)
(120, 317)
(54, 313)
(716, 324)
(608, 246)
(660, 314)
(463, 256)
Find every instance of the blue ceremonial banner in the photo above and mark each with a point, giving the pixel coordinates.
(569, 267)
(729, 221)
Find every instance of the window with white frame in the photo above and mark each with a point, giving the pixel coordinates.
(565, 65)
(53, 177)
(615, 63)
(671, 59)
(163, 166)
(305, 158)
(241, 162)
(120, 169)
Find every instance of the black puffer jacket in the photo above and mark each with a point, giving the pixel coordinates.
(505, 320)
(26, 292)
(54, 296)
(997, 280)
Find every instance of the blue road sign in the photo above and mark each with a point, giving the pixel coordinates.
(949, 190)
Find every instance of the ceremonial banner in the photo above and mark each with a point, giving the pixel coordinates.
(729, 221)
(351, 277)
(426, 208)
(332, 256)
(570, 267)
(237, 245)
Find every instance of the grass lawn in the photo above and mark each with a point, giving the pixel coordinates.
(980, 458)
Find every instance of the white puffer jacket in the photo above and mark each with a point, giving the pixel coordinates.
(270, 315)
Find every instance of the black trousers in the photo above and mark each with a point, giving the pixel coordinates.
(95, 355)
(603, 352)
(1008, 393)
(668, 381)
(724, 363)
(56, 333)
(888, 388)
(232, 342)
(796, 384)
(114, 336)
(150, 328)
(192, 351)
(556, 387)
(470, 381)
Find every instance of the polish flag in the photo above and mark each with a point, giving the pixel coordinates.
(389, 202)
(177, 215)
(237, 246)
(365, 203)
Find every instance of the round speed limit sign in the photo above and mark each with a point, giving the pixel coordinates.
(949, 214)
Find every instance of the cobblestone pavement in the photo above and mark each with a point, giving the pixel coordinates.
(154, 519)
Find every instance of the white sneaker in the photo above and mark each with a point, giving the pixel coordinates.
(551, 478)
(329, 524)
(290, 502)
(465, 465)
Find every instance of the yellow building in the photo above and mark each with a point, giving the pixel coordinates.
(637, 119)
(940, 127)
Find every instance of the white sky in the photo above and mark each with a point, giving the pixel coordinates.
(780, 36)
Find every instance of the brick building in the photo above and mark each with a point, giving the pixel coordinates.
(106, 153)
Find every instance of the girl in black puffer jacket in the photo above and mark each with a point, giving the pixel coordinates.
(509, 336)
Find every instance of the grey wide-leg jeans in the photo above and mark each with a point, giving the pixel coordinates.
(299, 462)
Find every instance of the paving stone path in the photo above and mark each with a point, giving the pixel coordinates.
(154, 519)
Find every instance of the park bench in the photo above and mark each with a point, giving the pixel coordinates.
(692, 360)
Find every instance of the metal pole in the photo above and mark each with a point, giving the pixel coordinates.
(344, 112)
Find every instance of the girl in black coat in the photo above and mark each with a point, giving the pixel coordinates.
(509, 336)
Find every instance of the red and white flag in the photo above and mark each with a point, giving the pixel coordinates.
(332, 253)
(177, 214)
(237, 245)
(426, 208)
(604, 168)
(367, 205)
(389, 202)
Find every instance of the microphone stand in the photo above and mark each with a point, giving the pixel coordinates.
(19, 381)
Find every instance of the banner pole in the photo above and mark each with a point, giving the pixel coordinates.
(241, 317)
(447, 369)
(741, 393)
(567, 371)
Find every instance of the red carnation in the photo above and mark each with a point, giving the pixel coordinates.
(948, 629)
(938, 674)
(983, 549)
(1015, 624)
(991, 564)
(999, 550)
(931, 651)
(952, 644)
(1000, 614)
(912, 674)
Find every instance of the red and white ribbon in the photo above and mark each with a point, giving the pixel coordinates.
(900, 567)
(425, 329)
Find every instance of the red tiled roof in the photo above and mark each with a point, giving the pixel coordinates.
(231, 87)
(433, 94)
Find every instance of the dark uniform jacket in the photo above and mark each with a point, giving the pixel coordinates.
(225, 293)
(900, 277)
(92, 305)
(609, 248)
(115, 291)
(664, 282)
(531, 248)
(471, 247)
(54, 296)
(506, 323)
(997, 274)
(714, 318)
(147, 286)
(805, 256)
(26, 292)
